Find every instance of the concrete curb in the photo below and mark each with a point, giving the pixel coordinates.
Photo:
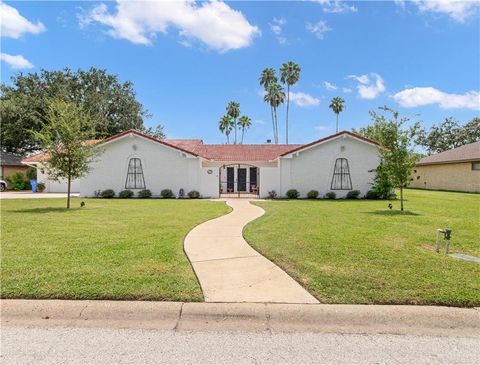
(318, 318)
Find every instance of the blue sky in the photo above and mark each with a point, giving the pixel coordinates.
(188, 60)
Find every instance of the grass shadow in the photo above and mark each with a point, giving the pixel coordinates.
(393, 212)
(43, 210)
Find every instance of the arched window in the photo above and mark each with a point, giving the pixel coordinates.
(135, 178)
(341, 175)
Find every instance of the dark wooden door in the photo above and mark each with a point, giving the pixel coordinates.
(242, 179)
(230, 179)
(253, 180)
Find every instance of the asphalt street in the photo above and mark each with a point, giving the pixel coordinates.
(76, 345)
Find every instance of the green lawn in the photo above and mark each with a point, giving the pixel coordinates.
(110, 249)
(361, 252)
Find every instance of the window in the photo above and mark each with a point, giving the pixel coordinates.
(475, 165)
(341, 175)
(135, 178)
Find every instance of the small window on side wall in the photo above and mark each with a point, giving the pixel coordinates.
(135, 179)
(476, 165)
(341, 175)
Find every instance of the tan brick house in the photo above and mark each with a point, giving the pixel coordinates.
(10, 163)
(457, 169)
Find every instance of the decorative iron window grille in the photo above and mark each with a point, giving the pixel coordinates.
(341, 175)
(135, 178)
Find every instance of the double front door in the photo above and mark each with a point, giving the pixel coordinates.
(242, 182)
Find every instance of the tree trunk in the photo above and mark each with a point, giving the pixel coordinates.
(288, 105)
(273, 124)
(235, 121)
(276, 125)
(243, 132)
(228, 138)
(68, 192)
(401, 198)
(337, 123)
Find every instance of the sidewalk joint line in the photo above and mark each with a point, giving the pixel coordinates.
(228, 258)
(175, 329)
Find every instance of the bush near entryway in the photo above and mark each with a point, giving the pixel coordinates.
(312, 194)
(330, 195)
(145, 193)
(167, 193)
(193, 194)
(293, 194)
(125, 194)
(354, 194)
(17, 181)
(109, 193)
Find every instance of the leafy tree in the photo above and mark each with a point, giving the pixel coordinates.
(24, 105)
(64, 137)
(450, 134)
(245, 123)
(290, 74)
(337, 105)
(157, 132)
(267, 77)
(396, 153)
(233, 110)
(275, 96)
(225, 125)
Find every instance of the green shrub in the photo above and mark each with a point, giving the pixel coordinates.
(124, 194)
(107, 194)
(145, 193)
(353, 194)
(272, 194)
(330, 195)
(372, 194)
(16, 181)
(312, 194)
(40, 187)
(293, 194)
(167, 193)
(31, 173)
(193, 194)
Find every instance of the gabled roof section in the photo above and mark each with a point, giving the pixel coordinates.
(466, 153)
(242, 152)
(10, 159)
(134, 131)
(41, 156)
(333, 136)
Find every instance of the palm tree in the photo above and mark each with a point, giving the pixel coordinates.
(245, 123)
(275, 96)
(337, 105)
(225, 126)
(290, 73)
(268, 77)
(233, 110)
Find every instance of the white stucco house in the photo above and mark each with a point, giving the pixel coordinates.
(131, 160)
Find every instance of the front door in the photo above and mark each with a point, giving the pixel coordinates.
(242, 179)
(230, 179)
(253, 180)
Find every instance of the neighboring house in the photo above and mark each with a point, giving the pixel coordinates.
(132, 160)
(457, 169)
(10, 163)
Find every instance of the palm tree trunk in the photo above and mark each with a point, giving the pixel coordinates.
(288, 105)
(243, 131)
(276, 124)
(235, 121)
(273, 124)
(228, 138)
(337, 123)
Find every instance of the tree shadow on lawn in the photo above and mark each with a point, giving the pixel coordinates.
(43, 210)
(392, 212)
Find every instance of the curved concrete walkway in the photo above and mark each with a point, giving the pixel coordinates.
(229, 270)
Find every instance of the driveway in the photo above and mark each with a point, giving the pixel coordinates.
(30, 195)
(230, 270)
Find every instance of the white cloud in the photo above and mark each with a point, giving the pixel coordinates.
(16, 61)
(303, 99)
(336, 6)
(321, 128)
(213, 23)
(329, 85)
(369, 88)
(259, 121)
(318, 29)
(276, 26)
(13, 25)
(418, 96)
(346, 90)
(459, 11)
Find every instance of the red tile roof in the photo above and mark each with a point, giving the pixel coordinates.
(466, 153)
(221, 152)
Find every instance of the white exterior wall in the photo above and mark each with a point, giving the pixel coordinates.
(312, 168)
(163, 168)
(56, 186)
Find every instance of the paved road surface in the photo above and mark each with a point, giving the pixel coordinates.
(70, 345)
